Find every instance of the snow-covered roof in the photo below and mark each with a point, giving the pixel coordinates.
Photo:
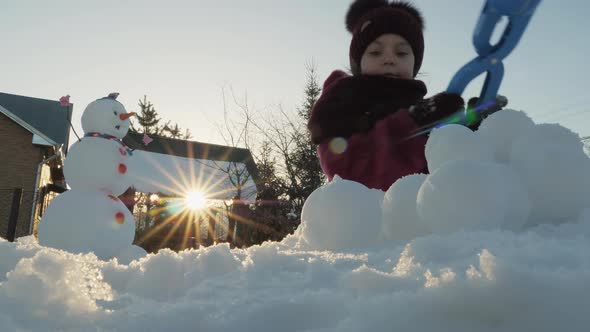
(175, 175)
(176, 166)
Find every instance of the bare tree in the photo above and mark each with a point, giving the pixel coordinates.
(281, 146)
(236, 132)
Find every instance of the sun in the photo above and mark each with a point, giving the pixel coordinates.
(195, 200)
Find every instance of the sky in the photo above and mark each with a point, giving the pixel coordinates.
(183, 54)
(513, 257)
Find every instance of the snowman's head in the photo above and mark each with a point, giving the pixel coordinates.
(106, 116)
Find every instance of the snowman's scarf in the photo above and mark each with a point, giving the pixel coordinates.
(111, 138)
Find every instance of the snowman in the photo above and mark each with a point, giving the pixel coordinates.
(90, 217)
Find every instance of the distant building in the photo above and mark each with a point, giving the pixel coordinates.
(171, 168)
(34, 137)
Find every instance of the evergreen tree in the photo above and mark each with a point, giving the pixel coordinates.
(270, 185)
(312, 92)
(148, 122)
(304, 157)
(271, 209)
(147, 119)
(174, 131)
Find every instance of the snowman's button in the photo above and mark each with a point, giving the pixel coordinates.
(122, 169)
(120, 218)
(122, 152)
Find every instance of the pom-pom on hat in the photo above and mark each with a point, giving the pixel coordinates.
(369, 19)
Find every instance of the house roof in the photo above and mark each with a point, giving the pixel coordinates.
(197, 158)
(47, 117)
(38, 137)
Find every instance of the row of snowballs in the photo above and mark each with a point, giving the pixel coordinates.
(510, 174)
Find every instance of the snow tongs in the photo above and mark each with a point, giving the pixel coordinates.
(489, 59)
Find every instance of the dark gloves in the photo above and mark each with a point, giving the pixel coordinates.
(428, 111)
(354, 104)
(483, 111)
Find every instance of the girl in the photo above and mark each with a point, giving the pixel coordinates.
(363, 123)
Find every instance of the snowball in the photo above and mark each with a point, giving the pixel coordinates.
(470, 195)
(97, 164)
(551, 134)
(86, 221)
(400, 218)
(454, 142)
(500, 129)
(342, 214)
(129, 254)
(519, 202)
(552, 165)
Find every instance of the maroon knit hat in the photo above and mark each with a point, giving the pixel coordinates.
(369, 19)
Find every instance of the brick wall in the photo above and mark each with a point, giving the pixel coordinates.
(18, 167)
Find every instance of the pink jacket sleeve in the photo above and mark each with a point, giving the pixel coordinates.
(379, 157)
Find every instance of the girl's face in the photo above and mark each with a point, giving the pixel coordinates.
(389, 55)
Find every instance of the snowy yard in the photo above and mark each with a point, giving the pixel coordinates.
(496, 238)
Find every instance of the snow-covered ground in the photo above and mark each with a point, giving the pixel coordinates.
(496, 238)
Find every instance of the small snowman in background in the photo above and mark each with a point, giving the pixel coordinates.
(90, 217)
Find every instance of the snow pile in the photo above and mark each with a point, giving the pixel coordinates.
(510, 174)
(536, 280)
(416, 258)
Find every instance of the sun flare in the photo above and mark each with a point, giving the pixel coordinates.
(195, 200)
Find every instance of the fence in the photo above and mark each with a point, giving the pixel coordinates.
(247, 227)
(16, 209)
(15, 212)
(178, 229)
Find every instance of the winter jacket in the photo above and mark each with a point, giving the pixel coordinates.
(364, 129)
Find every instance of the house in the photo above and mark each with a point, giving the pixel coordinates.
(34, 137)
(172, 169)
